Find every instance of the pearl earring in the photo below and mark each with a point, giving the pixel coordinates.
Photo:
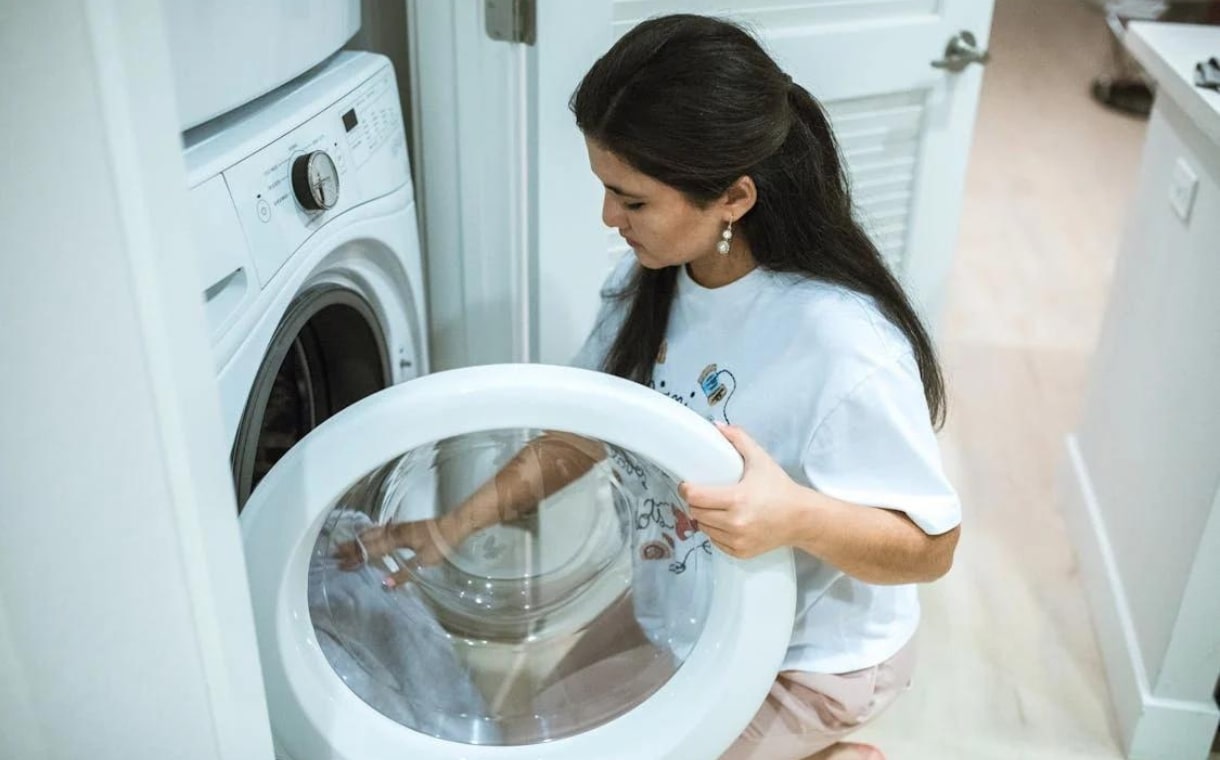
(726, 240)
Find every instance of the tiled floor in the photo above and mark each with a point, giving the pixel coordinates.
(1009, 665)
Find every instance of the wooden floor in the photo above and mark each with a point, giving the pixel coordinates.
(1009, 666)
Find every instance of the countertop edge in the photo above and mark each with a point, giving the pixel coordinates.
(1154, 45)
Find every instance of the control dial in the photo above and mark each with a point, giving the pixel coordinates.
(315, 181)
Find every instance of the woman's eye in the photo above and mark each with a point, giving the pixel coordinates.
(634, 206)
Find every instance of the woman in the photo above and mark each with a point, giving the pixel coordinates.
(749, 271)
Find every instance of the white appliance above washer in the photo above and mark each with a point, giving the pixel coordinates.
(228, 52)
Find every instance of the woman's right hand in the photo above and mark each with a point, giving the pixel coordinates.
(431, 540)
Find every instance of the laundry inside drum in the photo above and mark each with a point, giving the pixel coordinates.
(543, 584)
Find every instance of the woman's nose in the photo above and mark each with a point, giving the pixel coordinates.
(612, 212)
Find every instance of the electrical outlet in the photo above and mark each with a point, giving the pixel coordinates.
(1182, 188)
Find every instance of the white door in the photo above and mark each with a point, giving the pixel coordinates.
(601, 624)
(904, 126)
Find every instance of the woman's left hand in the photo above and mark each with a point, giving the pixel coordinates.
(756, 514)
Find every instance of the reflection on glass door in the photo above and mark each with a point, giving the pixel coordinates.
(509, 586)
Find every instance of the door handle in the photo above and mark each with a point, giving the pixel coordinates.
(962, 51)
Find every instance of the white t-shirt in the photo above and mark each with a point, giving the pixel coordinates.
(830, 388)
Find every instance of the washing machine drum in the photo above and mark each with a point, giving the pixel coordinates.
(495, 563)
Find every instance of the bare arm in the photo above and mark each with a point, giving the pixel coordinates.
(875, 545)
(543, 467)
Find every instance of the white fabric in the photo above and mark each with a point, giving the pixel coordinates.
(387, 646)
(830, 388)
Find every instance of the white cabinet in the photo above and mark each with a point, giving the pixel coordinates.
(1142, 469)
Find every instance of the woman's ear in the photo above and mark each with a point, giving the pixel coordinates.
(740, 197)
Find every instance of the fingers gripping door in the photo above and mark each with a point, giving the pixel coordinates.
(494, 562)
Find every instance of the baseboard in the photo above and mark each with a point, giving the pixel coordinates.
(1150, 727)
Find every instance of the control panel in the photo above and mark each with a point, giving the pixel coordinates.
(352, 152)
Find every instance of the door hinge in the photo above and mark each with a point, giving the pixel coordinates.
(510, 20)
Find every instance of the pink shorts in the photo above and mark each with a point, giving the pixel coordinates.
(803, 714)
(808, 712)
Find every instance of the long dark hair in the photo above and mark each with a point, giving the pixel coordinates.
(696, 103)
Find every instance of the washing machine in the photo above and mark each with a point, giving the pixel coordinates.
(305, 228)
(552, 596)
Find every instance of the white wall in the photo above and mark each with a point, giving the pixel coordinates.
(125, 628)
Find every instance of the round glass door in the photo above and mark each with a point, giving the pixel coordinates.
(509, 586)
(550, 595)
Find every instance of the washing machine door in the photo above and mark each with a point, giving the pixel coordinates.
(552, 596)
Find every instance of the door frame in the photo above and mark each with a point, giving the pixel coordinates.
(475, 231)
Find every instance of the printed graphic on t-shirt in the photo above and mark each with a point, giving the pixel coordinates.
(665, 531)
(661, 388)
(716, 386)
(676, 530)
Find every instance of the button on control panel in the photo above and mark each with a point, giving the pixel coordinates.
(315, 180)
